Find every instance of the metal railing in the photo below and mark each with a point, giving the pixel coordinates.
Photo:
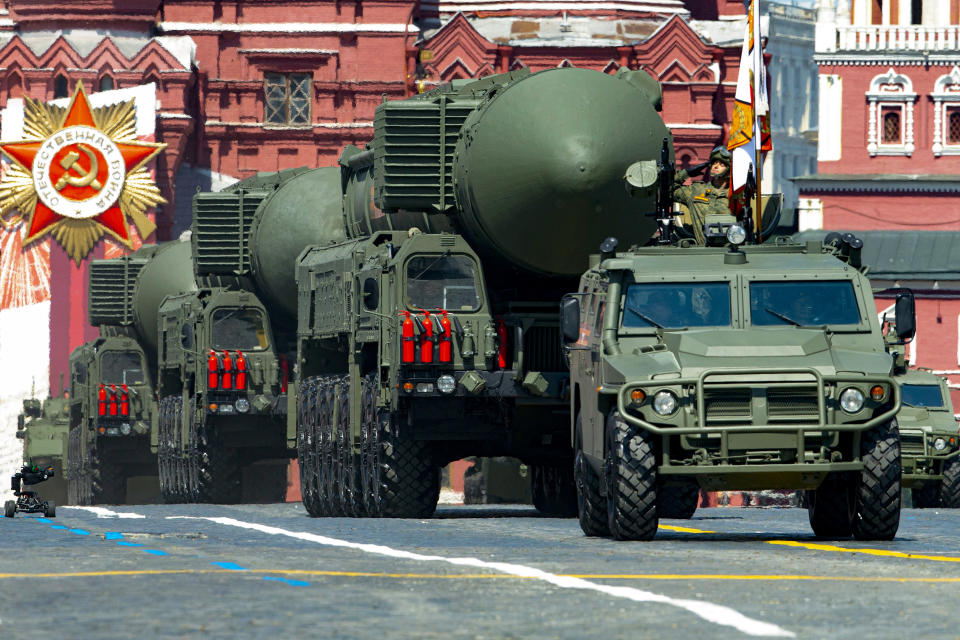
(898, 38)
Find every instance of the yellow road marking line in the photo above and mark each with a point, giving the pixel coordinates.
(869, 552)
(670, 527)
(474, 576)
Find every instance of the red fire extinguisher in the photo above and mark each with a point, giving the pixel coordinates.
(409, 348)
(426, 340)
(446, 339)
(502, 348)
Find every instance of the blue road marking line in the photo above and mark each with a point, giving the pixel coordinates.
(112, 535)
(58, 526)
(124, 543)
(80, 532)
(155, 552)
(47, 520)
(230, 566)
(292, 583)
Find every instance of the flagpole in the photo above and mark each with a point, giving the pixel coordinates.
(757, 130)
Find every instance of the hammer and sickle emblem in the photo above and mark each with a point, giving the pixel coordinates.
(85, 178)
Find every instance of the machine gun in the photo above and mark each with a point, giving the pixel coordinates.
(666, 172)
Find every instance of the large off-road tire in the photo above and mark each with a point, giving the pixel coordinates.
(927, 496)
(554, 491)
(950, 485)
(109, 480)
(73, 474)
(351, 495)
(369, 450)
(165, 468)
(50, 509)
(474, 491)
(591, 505)
(9, 509)
(631, 472)
(678, 500)
(877, 515)
(409, 483)
(330, 451)
(306, 446)
(179, 454)
(830, 506)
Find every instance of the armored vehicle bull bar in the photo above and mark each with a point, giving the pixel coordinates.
(817, 383)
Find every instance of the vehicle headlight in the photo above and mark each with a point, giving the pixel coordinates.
(939, 444)
(446, 383)
(125, 428)
(736, 234)
(242, 405)
(424, 387)
(851, 400)
(664, 403)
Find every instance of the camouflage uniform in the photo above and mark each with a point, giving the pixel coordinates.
(702, 198)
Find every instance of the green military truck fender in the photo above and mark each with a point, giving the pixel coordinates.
(929, 440)
(715, 368)
(43, 427)
(112, 417)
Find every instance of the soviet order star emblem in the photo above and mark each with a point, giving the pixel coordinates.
(79, 173)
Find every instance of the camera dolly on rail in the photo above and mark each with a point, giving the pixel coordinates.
(27, 501)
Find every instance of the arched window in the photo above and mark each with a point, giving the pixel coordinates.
(890, 112)
(891, 125)
(946, 114)
(60, 89)
(106, 83)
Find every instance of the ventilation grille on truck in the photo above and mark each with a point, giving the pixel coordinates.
(542, 350)
(414, 143)
(110, 290)
(221, 231)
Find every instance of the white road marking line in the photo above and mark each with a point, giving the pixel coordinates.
(107, 513)
(709, 611)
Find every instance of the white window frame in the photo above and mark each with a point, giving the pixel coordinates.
(946, 95)
(890, 89)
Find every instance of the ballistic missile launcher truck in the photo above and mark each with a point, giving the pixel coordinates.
(929, 440)
(427, 326)
(227, 348)
(732, 368)
(113, 409)
(43, 427)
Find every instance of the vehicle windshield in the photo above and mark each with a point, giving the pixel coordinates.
(442, 282)
(921, 395)
(121, 367)
(676, 305)
(239, 329)
(803, 303)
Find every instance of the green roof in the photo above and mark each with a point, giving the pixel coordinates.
(905, 255)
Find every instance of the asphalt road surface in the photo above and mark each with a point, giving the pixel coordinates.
(270, 571)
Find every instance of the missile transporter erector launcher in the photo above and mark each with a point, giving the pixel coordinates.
(427, 327)
(227, 348)
(720, 368)
(113, 409)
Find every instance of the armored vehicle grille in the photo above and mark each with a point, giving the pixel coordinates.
(110, 290)
(727, 405)
(221, 231)
(788, 405)
(911, 442)
(541, 349)
(414, 147)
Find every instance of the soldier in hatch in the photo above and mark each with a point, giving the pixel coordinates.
(708, 196)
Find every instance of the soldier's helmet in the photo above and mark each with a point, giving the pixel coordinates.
(720, 154)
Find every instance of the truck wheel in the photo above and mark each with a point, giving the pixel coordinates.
(369, 455)
(877, 514)
(306, 446)
(631, 472)
(50, 509)
(73, 466)
(927, 496)
(679, 500)
(9, 508)
(331, 450)
(110, 483)
(554, 491)
(409, 484)
(591, 506)
(950, 486)
(164, 449)
(351, 498)
(830, 506)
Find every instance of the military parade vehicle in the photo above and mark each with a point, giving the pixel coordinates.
(929, 440)
(499, 480)
(427, 327)
(227, 348)
(113, 409)
(739, 367)
(43, 427)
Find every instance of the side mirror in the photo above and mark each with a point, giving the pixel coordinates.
(570, 319)
(906, 315)
(20, 422)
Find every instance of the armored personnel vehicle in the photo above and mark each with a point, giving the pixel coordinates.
(43, 427)
(427, 327)
(732, 368)
(929, 440)
(113, 411)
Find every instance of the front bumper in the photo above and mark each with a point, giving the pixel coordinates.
(531, 386)
(921, 461)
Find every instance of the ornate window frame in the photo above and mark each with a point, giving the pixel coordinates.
(946, 95)
(890, 89)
